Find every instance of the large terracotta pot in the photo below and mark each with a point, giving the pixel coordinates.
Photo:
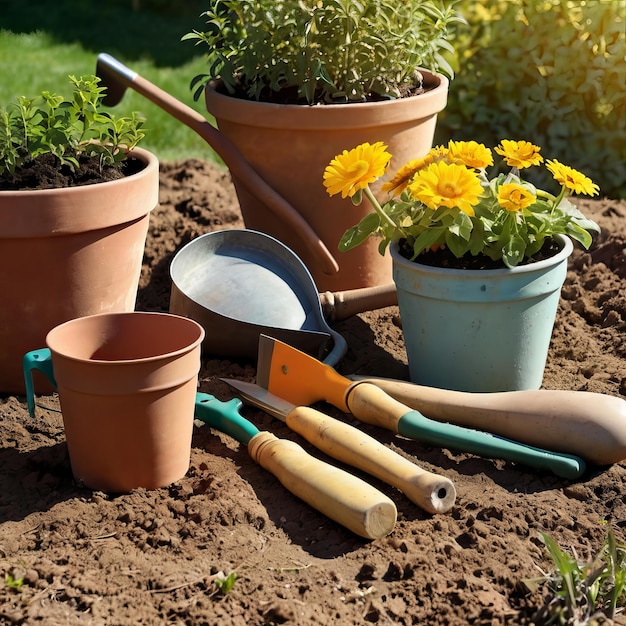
(290, 145)
(67, 253)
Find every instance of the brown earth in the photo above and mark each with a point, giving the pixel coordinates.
(152, 557)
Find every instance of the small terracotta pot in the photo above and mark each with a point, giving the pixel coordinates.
(65, 253)
(127, 385)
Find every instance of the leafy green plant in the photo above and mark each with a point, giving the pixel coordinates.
(68, 129)
(447, 200)
(580, 594)
(328, 50)
(552, 72)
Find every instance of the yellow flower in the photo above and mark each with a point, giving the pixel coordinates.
(404, 175)
(469, 153)
(514, 197)
(572, 179)
(519, 154)
(447, 185)
(354, 170)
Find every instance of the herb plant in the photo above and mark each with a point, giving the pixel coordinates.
(446, 199)
(328, 50)
(68, 129)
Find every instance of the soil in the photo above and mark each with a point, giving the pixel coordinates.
(47, 172)
(154, 557)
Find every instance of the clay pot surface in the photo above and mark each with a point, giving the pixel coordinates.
(127, 386)
(66, 253)
(290, 145)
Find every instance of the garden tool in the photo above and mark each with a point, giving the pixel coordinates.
(303, 380)
(240, 283)
(116, 78)
(591, 425)
(433, 493)
(342, 497)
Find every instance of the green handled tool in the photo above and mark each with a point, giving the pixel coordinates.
(433, 493)
(337, 494)
(303, 380)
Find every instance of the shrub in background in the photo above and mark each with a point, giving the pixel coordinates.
(552, 72)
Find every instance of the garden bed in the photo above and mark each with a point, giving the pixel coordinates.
(152, 557)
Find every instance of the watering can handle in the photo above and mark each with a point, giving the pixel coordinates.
(112, 73)
(36, 360)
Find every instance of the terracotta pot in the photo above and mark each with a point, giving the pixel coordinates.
(127, 386)
(290, 145)
(66, 253)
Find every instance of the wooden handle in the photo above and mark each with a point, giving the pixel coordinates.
(590, 425)
(340, 305)
(343, 442)
(340, 496)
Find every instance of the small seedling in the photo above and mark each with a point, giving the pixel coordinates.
(226, 583)
(582, 594)
(13, 583)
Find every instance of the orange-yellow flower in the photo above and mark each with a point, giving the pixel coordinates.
(469, 153)
(519, 154)
(572, 179)
(354, 170)
(514, 197)
(404, 175)
(447, 185)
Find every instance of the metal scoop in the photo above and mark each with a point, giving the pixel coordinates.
(238, 284)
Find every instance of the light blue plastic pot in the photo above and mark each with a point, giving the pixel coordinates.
(479, 330)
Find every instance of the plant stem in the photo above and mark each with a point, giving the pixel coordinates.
(383, 216)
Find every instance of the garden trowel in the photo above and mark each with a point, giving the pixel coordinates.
(303, 380)
(342, 497)
(431, 492)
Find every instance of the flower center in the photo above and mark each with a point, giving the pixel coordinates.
(359, 168)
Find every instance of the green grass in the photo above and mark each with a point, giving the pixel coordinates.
(42, 43)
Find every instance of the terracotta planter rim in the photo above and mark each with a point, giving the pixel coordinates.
(474, 274)
(51, 337)
(68, 210)
(333, 115)
(150, 160)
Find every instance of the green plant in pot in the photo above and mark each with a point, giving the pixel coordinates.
(290, 82)
(478, 261)
(75, 199)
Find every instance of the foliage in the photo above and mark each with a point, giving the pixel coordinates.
(330, 50)
(446, 199)
(551, 71)
(68, 129)
(580, 594)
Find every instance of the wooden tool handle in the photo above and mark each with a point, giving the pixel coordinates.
(433, 493)
(591, 425)
(371, 404)
(340, 496)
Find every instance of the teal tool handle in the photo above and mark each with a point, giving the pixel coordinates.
(40, 360)
(225, 416)
(372, 405)
(415, 426)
